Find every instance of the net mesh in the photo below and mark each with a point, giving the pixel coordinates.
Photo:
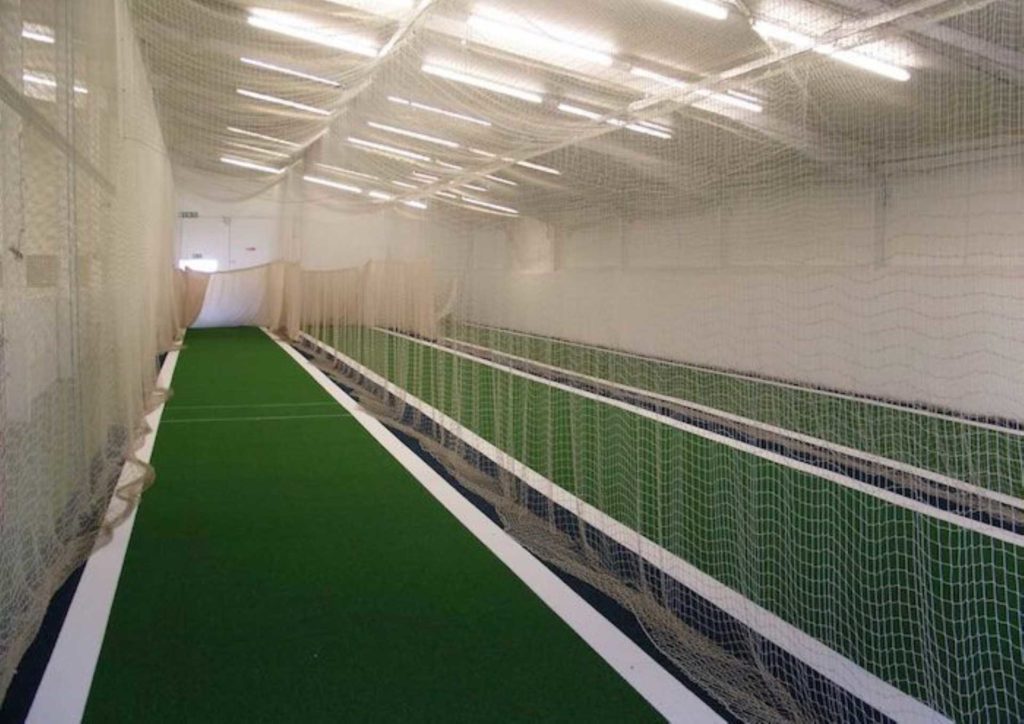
(717, 304)
(86, 212)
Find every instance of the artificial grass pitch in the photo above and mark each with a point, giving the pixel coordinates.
(286, 568)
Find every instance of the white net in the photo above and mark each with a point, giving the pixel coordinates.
(726, 300)
(86, 223)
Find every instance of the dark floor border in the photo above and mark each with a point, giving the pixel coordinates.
(22, 691)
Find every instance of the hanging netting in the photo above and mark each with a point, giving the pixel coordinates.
(716, 303)
(86, 223)
(726, 301)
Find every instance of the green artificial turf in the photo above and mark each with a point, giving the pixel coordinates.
(291, 570)
(926, 605)
(984, 457)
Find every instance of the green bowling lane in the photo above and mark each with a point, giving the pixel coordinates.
(286, 568)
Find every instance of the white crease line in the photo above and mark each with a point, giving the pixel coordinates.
(760, 380)
(851, 483)
(255, 419)
(878, 693)
(64, 688)
(962, 485)
(663, 691)
(176, 406)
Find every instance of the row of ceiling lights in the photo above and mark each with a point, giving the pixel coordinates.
(511, 28)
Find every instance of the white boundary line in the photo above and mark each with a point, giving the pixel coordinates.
(881, 695)
(852, 452)
(760, 380)
(665, 693)
(847, 482)
(64, 688)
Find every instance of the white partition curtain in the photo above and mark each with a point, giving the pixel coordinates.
(282, 296)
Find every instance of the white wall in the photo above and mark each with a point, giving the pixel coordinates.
(915, 294)
(237, 234)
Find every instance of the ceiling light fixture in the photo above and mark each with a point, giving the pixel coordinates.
(647, 129)
(415, 204)
(737, 100)
(865, 62)
(515, 33)
(350, 172)
(539, 167)
(484, 83)
(257, 149)
(333, 184)
(38, 33)
(302, 29)
(703, 7)
(384, 148)
(253, 134)
(281, 102)
(45, 79)
(242, 163)
(851, 57)
(412, 134)
(439, 111)
(289, 71)
(488, 205)
(500, 180)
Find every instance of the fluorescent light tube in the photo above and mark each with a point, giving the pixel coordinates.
(412, 134)
(731, 100)
(302, 29)
(289, 71)
(38, 33)
(439, 111)
(850, 57)
(484, 83)
(539, 167)
(865, 62)
(350, 172)
(500, 180)
(649, 130)
(475, 187)
(333, 184)
(737, 100)
(445, 164)
(380, 196)
(45, 79)
(415, 204)
(430, 178)
(703, 7)
(446, 195)
(777, 32)
(253, 134)
(384, 148)
(281, 102)
(516, 33)
(257, 149)
(405, 185)
(488, 205)
(242, 163)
